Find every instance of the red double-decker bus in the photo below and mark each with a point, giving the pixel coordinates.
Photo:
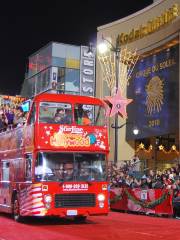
(55, 164)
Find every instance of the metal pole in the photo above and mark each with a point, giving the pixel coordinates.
(116, 115)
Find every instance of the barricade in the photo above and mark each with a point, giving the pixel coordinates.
(150, 201)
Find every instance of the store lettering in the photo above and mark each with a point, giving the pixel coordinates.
(87, 72)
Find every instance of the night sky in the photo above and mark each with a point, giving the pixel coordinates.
(26, 26)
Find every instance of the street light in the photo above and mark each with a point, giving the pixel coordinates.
(128, 59)
(103, 47)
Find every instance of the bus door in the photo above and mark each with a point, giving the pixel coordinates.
(5, 198)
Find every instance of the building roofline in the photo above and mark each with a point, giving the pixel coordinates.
(130, 16)
(51, 43)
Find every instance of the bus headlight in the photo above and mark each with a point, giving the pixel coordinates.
(100, 197)
(101, 204)
(47, 198)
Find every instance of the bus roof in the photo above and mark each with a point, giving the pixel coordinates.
(67, 98)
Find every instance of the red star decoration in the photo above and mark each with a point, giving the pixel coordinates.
(119, 104)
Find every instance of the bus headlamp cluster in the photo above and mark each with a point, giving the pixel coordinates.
(47, 201)
(47, 198)
(100, 197)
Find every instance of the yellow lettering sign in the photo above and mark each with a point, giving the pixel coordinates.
(151, 26)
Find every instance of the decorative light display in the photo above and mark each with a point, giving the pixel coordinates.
(160, 147)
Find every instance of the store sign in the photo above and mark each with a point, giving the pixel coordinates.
(87, 72)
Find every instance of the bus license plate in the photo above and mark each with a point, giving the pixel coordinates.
(71, 212)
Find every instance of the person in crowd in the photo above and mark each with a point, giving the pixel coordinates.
(144, 183)
(3, 122)
(176, 197)
(19, 117)
(9, 114)
(135, 164)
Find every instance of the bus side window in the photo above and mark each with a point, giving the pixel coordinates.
(32, 115)
(5, 171)
(28, 166)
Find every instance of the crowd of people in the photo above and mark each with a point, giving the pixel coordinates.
(128, 176)
(11, 116)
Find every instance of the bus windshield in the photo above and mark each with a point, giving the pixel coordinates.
(70, 167)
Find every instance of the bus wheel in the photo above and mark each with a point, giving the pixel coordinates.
(16, 210)
(80, 219)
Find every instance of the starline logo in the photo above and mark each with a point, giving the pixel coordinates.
(72, 129)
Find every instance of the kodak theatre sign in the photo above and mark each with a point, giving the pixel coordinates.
(151, 26)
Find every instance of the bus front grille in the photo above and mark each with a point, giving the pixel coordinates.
(75, 200)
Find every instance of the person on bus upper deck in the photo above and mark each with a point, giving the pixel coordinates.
(85, 119)
(62, 117)
(81, 116)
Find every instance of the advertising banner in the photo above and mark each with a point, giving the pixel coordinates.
(150, 201)
(154, 88)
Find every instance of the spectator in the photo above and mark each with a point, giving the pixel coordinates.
(135, 163)
(3, 122)
(144, 183)
(19, 117)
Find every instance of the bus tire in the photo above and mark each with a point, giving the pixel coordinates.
(16, 210)
(80, 219)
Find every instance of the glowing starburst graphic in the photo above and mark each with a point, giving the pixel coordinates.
(155, 95)
(126, 64)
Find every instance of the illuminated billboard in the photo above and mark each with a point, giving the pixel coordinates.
(154, 88)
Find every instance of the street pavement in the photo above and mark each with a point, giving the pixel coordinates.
(115, 226)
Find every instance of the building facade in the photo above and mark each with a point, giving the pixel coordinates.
(69, 68)
(154, 33)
